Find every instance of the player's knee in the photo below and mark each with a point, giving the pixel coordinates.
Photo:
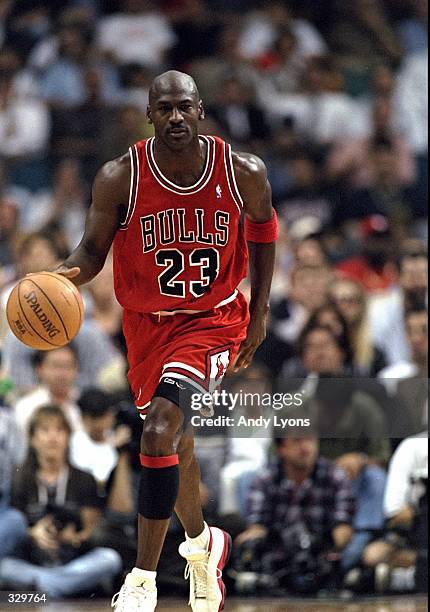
(161, 428)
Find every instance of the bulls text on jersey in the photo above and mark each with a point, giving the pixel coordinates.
(184, 226)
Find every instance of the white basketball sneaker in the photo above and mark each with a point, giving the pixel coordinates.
(136, 595)
(204, 569)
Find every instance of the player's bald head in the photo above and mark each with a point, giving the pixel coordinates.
(173, 82)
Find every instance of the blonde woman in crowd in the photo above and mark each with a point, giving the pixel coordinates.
(351, 301)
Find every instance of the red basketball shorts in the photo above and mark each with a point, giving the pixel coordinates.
(195, 348)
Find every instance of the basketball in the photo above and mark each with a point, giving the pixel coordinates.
(45, 311)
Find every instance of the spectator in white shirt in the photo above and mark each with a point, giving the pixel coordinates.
(408, 380)
(387, 312)
(411, 102)
(322, 111)
(139, 33)
(416, 322)
(24, 123)
(405, 489)
(57, 371)
(94, 448)
(262, 30)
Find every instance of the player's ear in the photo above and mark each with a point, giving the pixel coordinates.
(148, 114)
(201, 111)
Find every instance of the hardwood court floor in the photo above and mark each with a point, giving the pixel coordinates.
(237, 605)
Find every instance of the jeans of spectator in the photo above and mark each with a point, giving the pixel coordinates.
(84, 573)
(369, 490)
(13, 528)
(352, 554)
(236, 478)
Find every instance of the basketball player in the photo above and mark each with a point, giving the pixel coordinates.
(179, 209)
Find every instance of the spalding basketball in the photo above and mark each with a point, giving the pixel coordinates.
(45, 311)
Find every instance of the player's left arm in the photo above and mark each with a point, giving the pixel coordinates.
(261, 233)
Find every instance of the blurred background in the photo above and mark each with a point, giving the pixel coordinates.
(333, 96)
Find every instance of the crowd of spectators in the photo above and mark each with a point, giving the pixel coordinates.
(333, 96)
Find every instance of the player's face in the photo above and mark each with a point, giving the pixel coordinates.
(175, 118)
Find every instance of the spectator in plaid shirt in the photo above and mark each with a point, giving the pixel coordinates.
(301, 505)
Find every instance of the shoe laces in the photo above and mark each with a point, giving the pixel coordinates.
(197, 572)
(137, 595)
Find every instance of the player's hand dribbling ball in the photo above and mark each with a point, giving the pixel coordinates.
(45, 311)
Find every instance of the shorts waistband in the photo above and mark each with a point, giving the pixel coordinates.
(169, 313)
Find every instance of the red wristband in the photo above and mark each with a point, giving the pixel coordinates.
(267, 231)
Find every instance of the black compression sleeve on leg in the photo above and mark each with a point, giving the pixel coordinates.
(159, 487)
(180, 394)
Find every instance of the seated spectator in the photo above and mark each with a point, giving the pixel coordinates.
(322, 111)
(301, 510)
(330, 316)
(407, 381)
(309, 251)
(261, 31)
(62, 509)
(100, 362)
(309, 286)
(305, 194)
(24, 134)
(406, 511)
(374, 267)
(196, 28)
(106, 313)
(94, 448)
(56, 371)
(369, 489)
(65, 83)
(58, 212)
(139, 33)
(363, 36)
(13, 525)
(129, 127)
(351, 422)
(387, 312)
(351, 162)
(247, 454)
(27, 22)
(351, 300)
(319, 351)
(385, 195)
(281, 66)
(411, 118)
(411, 96)
(239, 117)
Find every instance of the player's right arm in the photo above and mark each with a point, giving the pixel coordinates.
(110, 195)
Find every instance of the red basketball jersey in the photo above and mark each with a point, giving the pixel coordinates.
(180, 248)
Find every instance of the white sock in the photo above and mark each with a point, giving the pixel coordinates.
(201, 541)
(136, 571)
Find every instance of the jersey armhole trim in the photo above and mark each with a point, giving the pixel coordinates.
(134, 184)
(231, 178)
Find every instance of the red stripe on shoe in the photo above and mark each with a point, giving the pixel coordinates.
(222, 563)
(159, 462)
